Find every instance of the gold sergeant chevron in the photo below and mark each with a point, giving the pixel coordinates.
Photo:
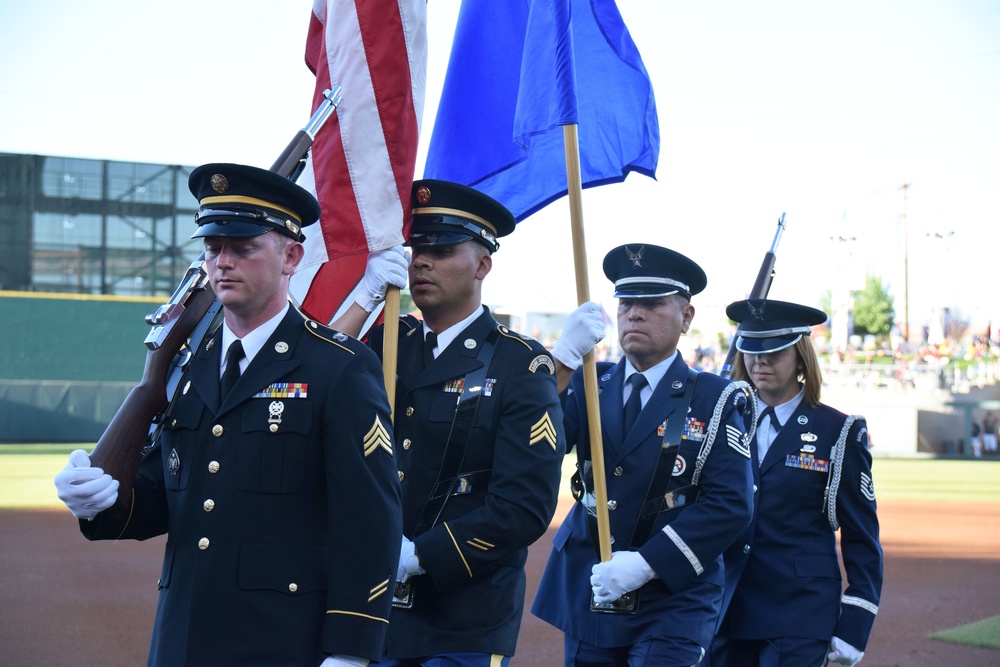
(377, 437)
(543, 429)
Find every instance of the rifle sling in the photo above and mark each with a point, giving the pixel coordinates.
(658, 495)
(458, 439)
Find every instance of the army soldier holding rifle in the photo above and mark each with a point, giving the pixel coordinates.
(273, 476)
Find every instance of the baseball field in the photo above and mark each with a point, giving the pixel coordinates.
(66, 601)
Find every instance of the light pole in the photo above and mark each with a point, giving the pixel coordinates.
(906, 272)
(840, 297)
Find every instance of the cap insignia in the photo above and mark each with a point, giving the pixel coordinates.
(636, 257)
(423, 194)
(757, 313)
(219, 183)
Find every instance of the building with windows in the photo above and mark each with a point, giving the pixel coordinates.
(89, 248)
(104, 227)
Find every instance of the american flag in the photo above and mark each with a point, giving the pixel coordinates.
(362, 163)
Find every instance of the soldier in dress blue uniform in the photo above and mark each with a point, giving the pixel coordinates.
(279, 497)
(678, 481)
(789, 609)
(479, 427)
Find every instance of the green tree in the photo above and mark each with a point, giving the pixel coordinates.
(873, 309)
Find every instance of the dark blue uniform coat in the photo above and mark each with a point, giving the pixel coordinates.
(282, 521)
(685, 600)
(472, 597)
(791, 583)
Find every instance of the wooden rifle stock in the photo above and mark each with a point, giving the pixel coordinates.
(179, 327)
(121, 446)
(761, 287)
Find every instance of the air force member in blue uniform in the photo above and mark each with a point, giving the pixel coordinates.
(790, 608)
(480, 434)
(279, 497)
(678, 481)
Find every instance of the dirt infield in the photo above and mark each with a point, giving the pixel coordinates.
(66, 601)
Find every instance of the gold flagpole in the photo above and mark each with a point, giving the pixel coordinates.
(575, 188)
(390, 345)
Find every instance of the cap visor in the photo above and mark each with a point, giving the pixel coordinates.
(765, 345)
(231, 229)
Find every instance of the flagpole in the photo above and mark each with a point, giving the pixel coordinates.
(390, 345)
(574, 184)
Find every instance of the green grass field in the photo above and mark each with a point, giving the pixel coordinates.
(26, 473)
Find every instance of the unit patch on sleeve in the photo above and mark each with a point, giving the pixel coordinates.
(543, 429)
(542, 361)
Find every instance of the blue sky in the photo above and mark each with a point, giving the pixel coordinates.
(819, 110)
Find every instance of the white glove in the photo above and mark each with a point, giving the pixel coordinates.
(85, 490)
(626, 571)
(583, 330)
(386, 268)
(344, 661)
(409, 563)
(842, 653)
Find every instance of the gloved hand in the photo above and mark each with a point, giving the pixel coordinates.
(583, 330)
(626, 571)
(344, 661)
(409, 563)
(385, 268)
(85, 490)
(842, 653)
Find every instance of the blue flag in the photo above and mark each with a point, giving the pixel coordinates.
(520, 70)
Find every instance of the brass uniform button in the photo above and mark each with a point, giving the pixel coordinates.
(292, 587)
(618, 471)
(209, 505)
(406, 443)
(409, 411)
(203, 543)
(402, 475)
(746, 548)
(274, 428)
(213, 467)
(612, 504)
(217, 431)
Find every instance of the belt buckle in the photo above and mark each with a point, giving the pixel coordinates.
(402, 596)
(628, 603)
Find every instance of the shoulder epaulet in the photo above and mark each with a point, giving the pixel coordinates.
(521, 338)
(332, 336)
(409, 322)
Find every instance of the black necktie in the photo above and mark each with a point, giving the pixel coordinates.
(232, 372)
(775, 424)
(633, 406)
(430, 342)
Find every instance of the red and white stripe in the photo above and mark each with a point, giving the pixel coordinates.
(362, 162)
